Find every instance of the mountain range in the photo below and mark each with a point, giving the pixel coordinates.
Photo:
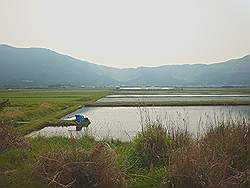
(40, 67)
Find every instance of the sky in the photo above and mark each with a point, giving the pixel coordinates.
(130, 33)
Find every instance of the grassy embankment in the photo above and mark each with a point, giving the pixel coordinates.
(35, 108)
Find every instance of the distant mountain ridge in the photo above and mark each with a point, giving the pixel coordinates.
(39, 67)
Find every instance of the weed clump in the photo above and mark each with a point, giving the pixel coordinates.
(217, 159)
(9, 139)
(4, 103)
(155, 145)
(78, 168)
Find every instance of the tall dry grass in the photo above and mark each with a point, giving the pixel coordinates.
(79, 168)
(159, 137)
(219, 158)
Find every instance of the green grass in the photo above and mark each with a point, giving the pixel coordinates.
(40, 106)
(20, 164)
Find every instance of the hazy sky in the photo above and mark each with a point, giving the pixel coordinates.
(130, 33)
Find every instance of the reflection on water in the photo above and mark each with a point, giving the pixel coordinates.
(125, 122)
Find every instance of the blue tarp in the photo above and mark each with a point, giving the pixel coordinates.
(79, 118)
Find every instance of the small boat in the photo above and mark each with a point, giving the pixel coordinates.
(81, 121)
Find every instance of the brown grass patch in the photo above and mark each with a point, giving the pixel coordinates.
(12, 114)
(218, 159)
(78, 168)
(45, 105)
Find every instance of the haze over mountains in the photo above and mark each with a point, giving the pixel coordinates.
(39, 67)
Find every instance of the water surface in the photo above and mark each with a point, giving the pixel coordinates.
(168, 98)
(125, 122)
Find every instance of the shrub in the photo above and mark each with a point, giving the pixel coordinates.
(78, 168)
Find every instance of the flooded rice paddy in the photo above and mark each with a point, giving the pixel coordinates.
(169, 98)
(124, 122)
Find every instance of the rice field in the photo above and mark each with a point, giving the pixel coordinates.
(177, 97)
(29, 110)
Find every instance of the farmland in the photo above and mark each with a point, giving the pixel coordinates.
(36, 107)
(177, 97)
(30, 110)
(153, 157)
